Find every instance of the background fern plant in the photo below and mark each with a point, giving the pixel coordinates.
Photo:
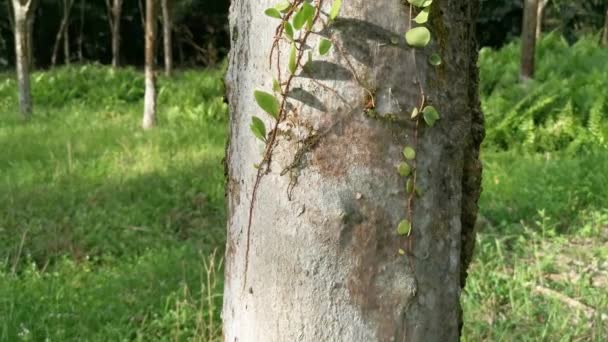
(563, 108)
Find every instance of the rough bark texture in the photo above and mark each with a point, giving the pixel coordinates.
(22, 12)
(167, 35)
(149, 120)
(114, 18)
(324, 266)
(528, 40)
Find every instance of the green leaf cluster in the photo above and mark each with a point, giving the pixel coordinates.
(420, 36)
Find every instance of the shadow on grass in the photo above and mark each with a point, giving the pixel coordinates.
(84, 217)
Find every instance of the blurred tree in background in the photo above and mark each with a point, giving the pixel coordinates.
(501, 20)
(200, 32)
(201, 36)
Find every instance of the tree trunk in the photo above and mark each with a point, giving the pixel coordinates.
(604, 41)
(81, 32)
(62, 33)
(66, 31)
(149, 120)
(22, 12)
(114, 19)
(31, 18)
(540, 14)
(167, 35)
(528, 40)
(321, 259)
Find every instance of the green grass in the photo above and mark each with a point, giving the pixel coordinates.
(104, 229)
(544, 227)
(108, 233)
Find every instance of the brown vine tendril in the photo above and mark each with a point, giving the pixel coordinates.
(421, 105)
(264, 167)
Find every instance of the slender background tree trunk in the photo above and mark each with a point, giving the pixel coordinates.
(604, 41)
(114, 19)
(62, 34)
(67, 6)
(31, 18)
(542, 4)
(528, 40)
(323, 263)
(81, 32)
(149, 120)
(22, 12)
(168, 35)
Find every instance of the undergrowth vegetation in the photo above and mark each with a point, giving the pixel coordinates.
(105, 231)
(565, 108)
(108, 234)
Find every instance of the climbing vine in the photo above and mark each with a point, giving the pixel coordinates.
(417, 37)
(297, 19)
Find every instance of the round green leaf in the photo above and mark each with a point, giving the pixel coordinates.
(404, 228)
(292, 59)
(415, 112)
(418, 37)
(435, 59)
(306, 13)
(288, 30)
(409, 186)
(409, 153)
(273, 13)
(283, 6)
(431, 115)
(268, 102)
(335, 9)
(423, 16)
(324, 46)
(258, 128)
(404, 169)
(276, 87)
(419, 192)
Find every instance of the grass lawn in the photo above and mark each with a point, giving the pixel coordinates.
(110, 234)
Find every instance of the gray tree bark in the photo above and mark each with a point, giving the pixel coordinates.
(22, 12)
(31, 18)
(149, 119)
(528, 40)
(66, 32)
(81, 32)
(540, 15)
(323, 262)
(114, 18)
(62, 34)
(167, 35)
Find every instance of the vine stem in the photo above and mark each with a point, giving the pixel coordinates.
(273, 137)
(412, 195)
